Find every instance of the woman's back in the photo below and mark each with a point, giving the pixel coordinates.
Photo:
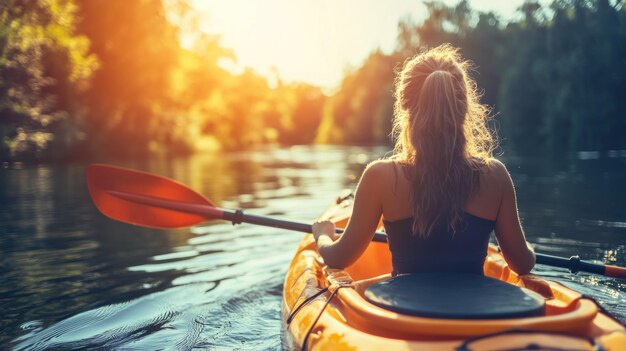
(396, 201)
(463, 250)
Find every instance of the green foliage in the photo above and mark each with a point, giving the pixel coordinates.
(43, 66)
(152, 95)
(109, 78)
(360, 112)
(554, 77)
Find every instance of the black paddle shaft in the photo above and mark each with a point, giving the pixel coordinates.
(238, 216)
(574, 264)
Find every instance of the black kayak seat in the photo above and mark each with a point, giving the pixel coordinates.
(454, 296)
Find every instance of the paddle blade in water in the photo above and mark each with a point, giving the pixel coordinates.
(146, 199)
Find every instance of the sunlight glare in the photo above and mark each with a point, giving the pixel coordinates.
(312, 41)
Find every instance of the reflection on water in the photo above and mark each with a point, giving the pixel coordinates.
(70, 278)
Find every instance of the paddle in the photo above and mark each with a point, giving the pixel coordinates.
(154, 201)
(149, 200)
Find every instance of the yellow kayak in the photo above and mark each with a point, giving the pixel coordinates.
(329, 309)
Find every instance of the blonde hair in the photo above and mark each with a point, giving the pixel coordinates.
(441, 132)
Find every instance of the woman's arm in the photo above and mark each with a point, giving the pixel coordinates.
(342, 251)
(518, 253)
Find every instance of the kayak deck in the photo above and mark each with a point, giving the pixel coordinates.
(324, 309)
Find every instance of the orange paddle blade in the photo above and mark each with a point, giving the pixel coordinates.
(146, 199)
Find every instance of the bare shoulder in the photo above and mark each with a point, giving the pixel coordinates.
(492, 167)
(499, 169)
(380, 166)
(496, 172)
(378, 171)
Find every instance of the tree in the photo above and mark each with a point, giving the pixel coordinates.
(44, 65)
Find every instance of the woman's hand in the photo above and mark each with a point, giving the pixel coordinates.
(340, 251)
(324, 228)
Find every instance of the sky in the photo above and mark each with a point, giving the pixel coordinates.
(314, 41)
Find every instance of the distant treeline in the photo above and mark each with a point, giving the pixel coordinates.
(555, 79)
(109, 78)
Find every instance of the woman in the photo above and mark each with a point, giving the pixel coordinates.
(441, 194)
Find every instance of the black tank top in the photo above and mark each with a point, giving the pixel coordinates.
(463, 251)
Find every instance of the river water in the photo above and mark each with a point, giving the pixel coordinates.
(71, 278)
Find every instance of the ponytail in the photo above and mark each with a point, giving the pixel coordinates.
(435, 100)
